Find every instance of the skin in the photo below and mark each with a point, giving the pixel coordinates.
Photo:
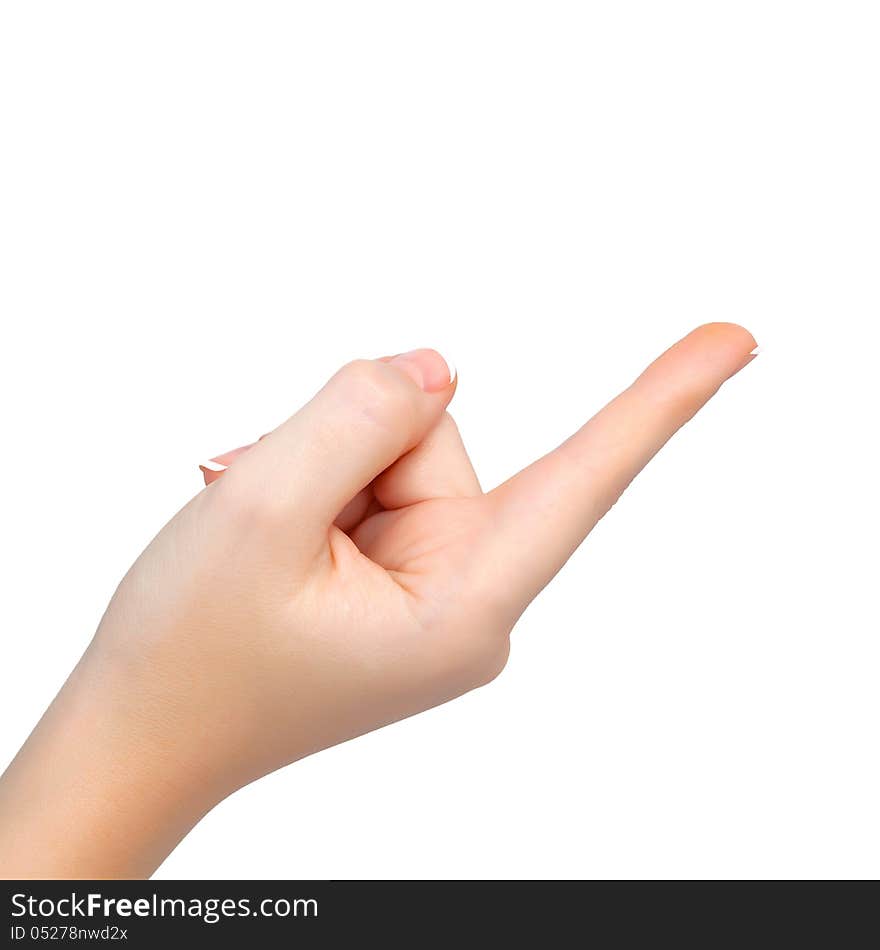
(344, 572)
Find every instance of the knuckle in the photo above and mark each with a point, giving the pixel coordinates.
(378, 394)
(359, 373)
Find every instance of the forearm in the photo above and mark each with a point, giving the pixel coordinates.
(98, 791)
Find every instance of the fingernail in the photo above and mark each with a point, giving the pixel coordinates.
(215, 467)
(431, 371)
(755, 351)
(212, 470)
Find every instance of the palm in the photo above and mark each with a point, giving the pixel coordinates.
(416, 562)
(422, 539)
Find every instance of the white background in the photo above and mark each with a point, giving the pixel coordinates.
(206, 208)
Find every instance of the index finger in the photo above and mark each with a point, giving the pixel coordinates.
(546, 510)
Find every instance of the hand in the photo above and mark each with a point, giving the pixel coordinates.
(345, 571)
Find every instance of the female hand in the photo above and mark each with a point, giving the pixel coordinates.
(345, 571)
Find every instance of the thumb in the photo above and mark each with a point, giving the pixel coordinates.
(368, 415)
